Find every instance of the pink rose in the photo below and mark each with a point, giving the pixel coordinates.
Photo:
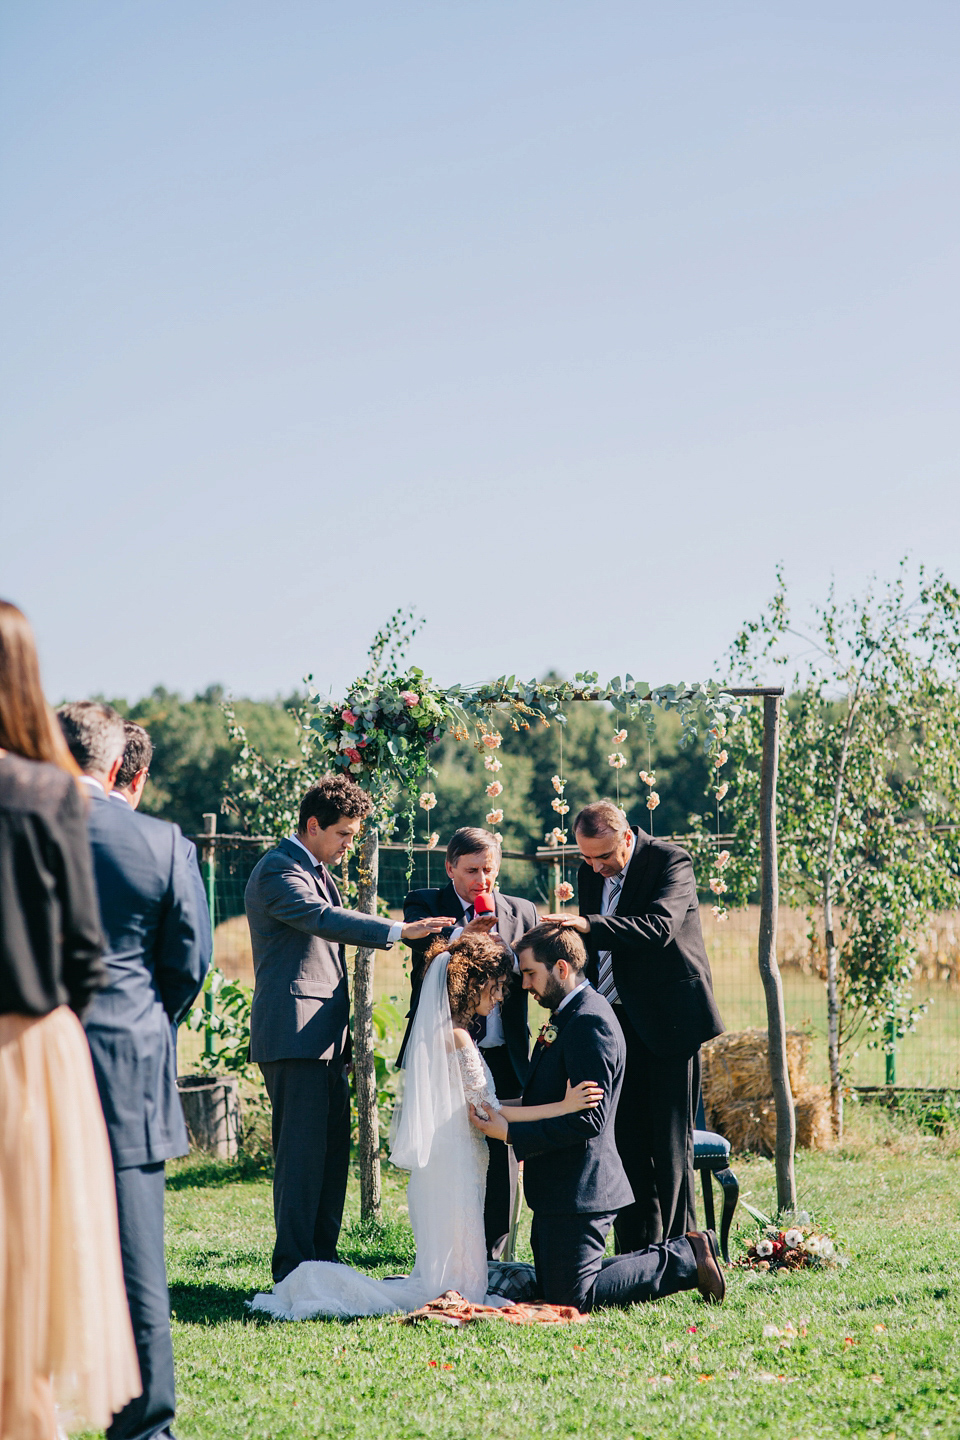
(354, 756)
(349, 718)
(409, 698)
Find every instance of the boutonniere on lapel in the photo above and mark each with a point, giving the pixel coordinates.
(548, 1034)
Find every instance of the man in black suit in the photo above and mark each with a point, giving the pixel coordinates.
(640, 915)
(472, 864)
(158, 949)
(574, 1180)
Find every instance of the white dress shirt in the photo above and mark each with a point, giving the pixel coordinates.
(493, 1035)
(567, 998)
(315, 866)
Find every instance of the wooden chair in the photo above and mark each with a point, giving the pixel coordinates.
(711, 1156)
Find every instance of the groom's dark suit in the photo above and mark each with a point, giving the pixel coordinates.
(574, 1180)
(509, 1062)
(666, 1009)
(300, 1038)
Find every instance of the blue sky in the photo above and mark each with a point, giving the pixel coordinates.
(561, 322)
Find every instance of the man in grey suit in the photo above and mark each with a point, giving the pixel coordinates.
(157, 928)
(300, 1021)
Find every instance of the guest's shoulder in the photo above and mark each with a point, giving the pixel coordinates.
(274, 860)
(667, 850)
(426, 899)
(524, 909)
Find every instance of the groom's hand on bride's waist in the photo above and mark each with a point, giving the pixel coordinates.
(432, 925)
(496, 1127)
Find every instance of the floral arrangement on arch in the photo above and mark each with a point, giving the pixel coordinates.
(383, 729)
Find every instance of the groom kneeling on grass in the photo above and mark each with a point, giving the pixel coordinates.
(574, 1180)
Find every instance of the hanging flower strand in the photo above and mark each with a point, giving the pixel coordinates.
(649, 779)
(557, 837)
(617, 760)
(492, 740)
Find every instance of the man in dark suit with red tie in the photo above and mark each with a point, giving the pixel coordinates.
(472, 864)
(640, 917)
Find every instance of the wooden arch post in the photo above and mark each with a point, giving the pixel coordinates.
(364, 1064)
(767, 951)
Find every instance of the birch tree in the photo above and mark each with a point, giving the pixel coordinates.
(869, 794)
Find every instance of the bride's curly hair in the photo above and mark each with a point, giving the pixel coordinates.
(474, 959)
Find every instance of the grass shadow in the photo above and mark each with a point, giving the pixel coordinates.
(203, 1172)
(198, 1304)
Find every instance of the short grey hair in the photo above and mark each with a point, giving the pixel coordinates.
(600, 818)
(94, 734)
(471, 840)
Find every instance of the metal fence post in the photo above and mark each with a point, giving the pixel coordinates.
(210, 880)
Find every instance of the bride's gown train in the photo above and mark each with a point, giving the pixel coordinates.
(447, 1159)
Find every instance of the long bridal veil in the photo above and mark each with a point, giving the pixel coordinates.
(433, 1138)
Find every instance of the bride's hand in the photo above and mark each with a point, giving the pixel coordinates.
(585, 1096)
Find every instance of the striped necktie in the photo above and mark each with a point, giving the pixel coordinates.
(605, 983)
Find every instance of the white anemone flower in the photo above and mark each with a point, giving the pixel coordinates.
(793, 1239)
(813, 1244)
(764, 1248)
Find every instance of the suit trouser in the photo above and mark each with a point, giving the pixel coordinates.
(311, 1147)
(654, 1134)
(501, 1189)
(568, 1251)
(140, 1191)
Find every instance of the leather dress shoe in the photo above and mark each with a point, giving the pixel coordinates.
(710, 1277)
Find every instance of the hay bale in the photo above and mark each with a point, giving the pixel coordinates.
(736, 1066)
(814, 1125)
(751, 1125)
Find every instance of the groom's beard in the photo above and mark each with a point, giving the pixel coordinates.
(552, 995)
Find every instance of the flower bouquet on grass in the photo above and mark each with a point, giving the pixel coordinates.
(801, 1246)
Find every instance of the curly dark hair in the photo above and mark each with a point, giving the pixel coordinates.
(474, 959)
(331, 799)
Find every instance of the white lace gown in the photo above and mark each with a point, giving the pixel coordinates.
(445, 1202)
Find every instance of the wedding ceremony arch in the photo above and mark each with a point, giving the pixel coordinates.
(381, 735)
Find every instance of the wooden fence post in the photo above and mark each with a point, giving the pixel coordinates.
(767, 959)
(364, 1070)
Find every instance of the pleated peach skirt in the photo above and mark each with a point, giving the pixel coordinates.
(65, 1334)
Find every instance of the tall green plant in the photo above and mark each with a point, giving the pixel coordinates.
(869, 790)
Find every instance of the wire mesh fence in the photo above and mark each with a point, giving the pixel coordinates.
(929, 1057)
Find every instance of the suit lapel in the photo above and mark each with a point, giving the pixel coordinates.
(590, 890)
(559, 1020)
(331, 885)
(636, 873)
(325, 883)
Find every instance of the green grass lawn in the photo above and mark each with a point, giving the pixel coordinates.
(880, 1357)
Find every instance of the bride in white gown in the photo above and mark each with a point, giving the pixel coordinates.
(433, 1138)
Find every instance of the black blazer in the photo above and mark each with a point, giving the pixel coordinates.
(571, 1165)
(50, 936)
(158, 950)
(514, 918)
(660, 965)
